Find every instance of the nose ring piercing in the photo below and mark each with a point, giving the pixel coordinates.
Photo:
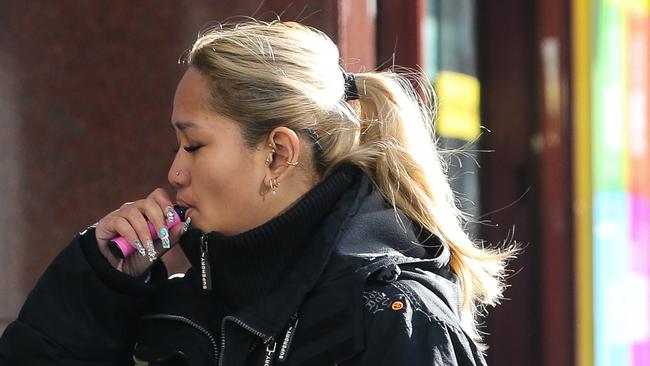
(178, 172)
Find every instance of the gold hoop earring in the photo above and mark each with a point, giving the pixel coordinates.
(273, 184)
(269, 158)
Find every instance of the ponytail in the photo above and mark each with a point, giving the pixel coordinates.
(398, 151)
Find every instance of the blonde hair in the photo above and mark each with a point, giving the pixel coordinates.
(266, 75)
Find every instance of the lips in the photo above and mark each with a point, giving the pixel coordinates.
(189, 213)
(184, 203)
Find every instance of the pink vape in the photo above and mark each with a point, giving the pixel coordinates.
(121, 248)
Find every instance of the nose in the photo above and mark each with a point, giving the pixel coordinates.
(178, 176)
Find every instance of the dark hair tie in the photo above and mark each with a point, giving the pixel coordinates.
(351, 91)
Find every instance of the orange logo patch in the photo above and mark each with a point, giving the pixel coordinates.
(397, 305)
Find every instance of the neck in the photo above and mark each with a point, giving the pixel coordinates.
(293, 190)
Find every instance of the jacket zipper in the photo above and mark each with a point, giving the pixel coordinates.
(269, 341)
(288, 338)
(206, 276)
(270, 352)
(266, 338)
(213, 342)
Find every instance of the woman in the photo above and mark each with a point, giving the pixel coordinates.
(323, 228)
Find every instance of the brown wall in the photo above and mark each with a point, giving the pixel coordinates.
(85, 101)
(510, 188)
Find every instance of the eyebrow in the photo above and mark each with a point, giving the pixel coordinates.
(183, 125)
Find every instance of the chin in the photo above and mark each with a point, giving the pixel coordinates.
(196, 220)
(197, 223)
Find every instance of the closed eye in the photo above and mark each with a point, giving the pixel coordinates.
(192, 148)
(189, 149)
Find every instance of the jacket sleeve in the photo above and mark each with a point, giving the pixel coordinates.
(398, 332)
(81, 312)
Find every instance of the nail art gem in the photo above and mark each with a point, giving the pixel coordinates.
(169, 214)
(151, 252)
(139, 247)
(164, 237)
(186, 225)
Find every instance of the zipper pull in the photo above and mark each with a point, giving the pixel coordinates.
(271, 345)
(288, 338)
(206, 276)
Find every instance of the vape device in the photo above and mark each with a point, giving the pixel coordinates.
(121, 248)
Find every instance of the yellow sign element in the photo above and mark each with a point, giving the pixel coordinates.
(458, 106)
(581, 52)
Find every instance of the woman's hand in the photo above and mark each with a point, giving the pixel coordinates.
(130, 221)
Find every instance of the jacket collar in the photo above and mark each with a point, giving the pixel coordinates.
(359, 236)
(273, 312)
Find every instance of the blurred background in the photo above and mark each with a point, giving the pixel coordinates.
(549, 97)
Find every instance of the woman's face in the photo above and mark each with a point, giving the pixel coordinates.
(216, 175)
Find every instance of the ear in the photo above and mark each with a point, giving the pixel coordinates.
(286, 144)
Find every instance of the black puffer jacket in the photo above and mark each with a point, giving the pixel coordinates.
(364, 292)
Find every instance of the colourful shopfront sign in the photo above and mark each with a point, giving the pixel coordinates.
(620, 151)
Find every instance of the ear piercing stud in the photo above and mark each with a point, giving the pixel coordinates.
(269, 158)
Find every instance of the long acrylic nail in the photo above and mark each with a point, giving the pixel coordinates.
(151, 251)
(164, 237)
(169, 214)
(186, 225)
(139, 247)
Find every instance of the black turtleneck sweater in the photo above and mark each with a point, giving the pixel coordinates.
(247, 266)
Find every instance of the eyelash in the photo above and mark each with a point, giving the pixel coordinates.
(189, 149)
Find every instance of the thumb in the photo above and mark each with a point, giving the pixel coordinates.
(177, 231)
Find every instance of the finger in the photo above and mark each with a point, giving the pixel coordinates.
(161, 197)
(104, 230)
(177, 231)
(138, 222)
(124, 228)
(156, 215)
